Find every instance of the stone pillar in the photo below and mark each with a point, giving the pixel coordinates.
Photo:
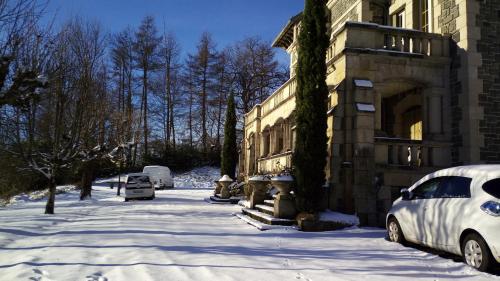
(363, 128)
(284, 203)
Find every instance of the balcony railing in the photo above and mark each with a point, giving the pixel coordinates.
(286, 91)
(369, 37)
(411, 153)
(275, 163)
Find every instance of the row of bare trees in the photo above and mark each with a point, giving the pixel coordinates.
(73, 97)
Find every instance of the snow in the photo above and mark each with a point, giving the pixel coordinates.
(363, 83)
(226, 178)
(339, 217)
(282, 178)
(365, 107)
(178, 236)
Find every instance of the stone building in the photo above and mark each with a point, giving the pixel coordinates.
(414, 87)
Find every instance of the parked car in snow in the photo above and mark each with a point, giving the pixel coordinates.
(160, 176)
(139, 186)
(456, 210)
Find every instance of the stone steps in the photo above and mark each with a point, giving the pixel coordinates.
(266, 209)
(269, 203)
(266, 218)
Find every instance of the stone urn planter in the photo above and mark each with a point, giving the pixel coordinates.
(258, 187)
(284, 203)
(224, 182)
(217, 187)
(282, 183)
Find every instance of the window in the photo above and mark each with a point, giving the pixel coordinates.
(454, 187)
(398, 18)
(425, 15)
(138, 179)
(267, 143)
(492, 187)
(427, 189)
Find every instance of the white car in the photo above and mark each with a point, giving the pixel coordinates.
(456, 210)
(160, 176)
(139, 186)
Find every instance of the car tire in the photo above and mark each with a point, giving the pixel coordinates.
(126, 199)
(394, 231)
(476, 252)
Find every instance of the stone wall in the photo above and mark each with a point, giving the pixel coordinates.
(447, 21)
(488, 20)
(341, 7)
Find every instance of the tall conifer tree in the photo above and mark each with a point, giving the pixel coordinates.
(310, 152)
(229, 150)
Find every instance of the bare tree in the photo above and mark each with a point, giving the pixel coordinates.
(256, 72)
(170, 51)
(87, 45)
(146, 56)
(200, 66)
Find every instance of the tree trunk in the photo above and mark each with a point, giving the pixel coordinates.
(145, 101)
(49, 207)
(86, 184)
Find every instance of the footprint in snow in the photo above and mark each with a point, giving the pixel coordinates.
(43, 274)
(96, 277)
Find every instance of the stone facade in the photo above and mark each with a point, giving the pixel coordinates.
(488, 19)
(414, 87)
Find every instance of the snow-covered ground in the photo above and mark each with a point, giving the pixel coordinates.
(178, 236)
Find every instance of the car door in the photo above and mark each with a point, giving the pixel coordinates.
(421, 198)
(446, 211)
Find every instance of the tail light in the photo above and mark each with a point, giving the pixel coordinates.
(491, 208)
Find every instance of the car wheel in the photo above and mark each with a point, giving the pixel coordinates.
(394, 231)
(126, 199)
(476, 253)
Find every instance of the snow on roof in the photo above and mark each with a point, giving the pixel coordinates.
(365, 107)
(363, 83)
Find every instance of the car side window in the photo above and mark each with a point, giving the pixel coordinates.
(427, 189)
(454, 187)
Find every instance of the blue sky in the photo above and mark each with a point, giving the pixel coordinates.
(228, 20)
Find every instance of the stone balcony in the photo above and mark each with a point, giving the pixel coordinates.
(398, 152)
(283, 95)
(381, 39)
(275, 163)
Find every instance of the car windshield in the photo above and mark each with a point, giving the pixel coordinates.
(138, 179)
(492, 187)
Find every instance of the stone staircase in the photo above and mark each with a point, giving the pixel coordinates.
(262, 216)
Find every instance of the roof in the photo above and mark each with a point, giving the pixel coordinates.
(138, 174)
(471, 170)
(285, 38)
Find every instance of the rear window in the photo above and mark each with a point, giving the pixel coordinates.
(138, 179)
(492, 187)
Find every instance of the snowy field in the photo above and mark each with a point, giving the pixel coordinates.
(178, 236)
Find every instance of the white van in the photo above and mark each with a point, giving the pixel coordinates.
(160, 176)
(139, 185)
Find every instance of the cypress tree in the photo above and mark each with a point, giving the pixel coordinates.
(229, 156)
(309, 157)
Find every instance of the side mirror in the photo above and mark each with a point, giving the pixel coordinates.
(406, 194)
